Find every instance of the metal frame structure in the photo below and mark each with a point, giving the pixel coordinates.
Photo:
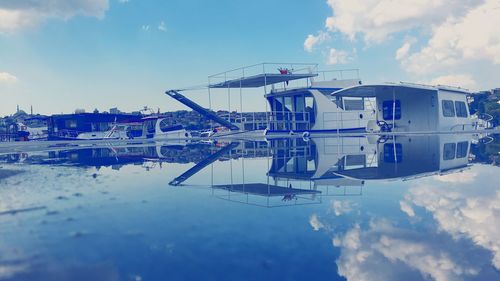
(274, 78)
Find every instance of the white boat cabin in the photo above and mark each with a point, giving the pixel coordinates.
(415, 108)
(314, 109)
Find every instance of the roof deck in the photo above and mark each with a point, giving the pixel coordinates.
(265, 189)
(260, 80)
(287, 75)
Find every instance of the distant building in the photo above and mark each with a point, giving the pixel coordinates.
(496, 93)
(114, 110)
(65, 126)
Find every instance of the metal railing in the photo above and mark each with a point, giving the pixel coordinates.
(289, 121)
(339, 74)
(298, 121)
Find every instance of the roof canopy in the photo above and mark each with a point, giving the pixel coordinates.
(260, 80)
(368, 91)
(402, 88)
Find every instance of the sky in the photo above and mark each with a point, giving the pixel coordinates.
(60, 55)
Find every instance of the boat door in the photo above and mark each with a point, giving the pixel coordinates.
(391, 112)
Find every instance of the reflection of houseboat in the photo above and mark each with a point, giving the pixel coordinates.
(406, 157)
(321, 165)
(319, 159)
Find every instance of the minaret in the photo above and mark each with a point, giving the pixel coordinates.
(17, 108)
(31, 110)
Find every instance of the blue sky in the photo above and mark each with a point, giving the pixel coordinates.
(100, 54)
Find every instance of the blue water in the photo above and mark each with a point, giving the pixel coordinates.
(342, 209)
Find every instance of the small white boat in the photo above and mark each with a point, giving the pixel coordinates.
(157, 127)
(151, 127)
(33, 133)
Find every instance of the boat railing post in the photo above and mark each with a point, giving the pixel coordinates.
(337, 104)
(253, 120)
(210, 101)
(393, 107)
(265, 92)
(241, 108)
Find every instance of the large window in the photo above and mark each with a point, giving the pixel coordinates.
(449, 151)
(354, 104)
(461, 109)
(388, 109)
(462, 148)
(448, 108)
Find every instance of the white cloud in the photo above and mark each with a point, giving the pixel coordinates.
(453, 36)
(162, 26)
(456, 80)
(313, 40)
(146, 27)
(8, 271)
(403, 51)
(375, 20)
(383, 252)
(341, 207)
(315, 223)
(464, 210)
(7, 77)
(15, 15)
(123, 1)
(460, 41)
(406, 208)
(338, 57)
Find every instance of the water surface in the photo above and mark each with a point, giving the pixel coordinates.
(412, 208)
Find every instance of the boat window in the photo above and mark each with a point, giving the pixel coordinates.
(355, 161)
(449, 151)
(167, 126)
(388, 110)
(448, 108)
(288, 103)
(310, 109)
(461, 109)
(393, 153)
(354, 104)
(462, 148)
(338, 102)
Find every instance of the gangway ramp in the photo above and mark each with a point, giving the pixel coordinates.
(201, 110)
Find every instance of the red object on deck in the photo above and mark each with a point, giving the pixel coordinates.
(283, 71)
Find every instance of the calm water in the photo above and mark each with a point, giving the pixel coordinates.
(409, 208)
